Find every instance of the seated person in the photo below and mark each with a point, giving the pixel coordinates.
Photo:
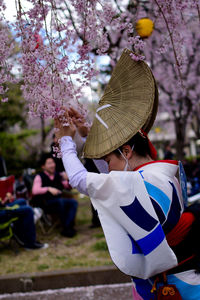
(20, 188)
(24, 227)
(47, 194)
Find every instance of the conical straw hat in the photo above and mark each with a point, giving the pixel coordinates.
(129, 103)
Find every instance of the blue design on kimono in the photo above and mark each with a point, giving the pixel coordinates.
(141, 173)
(143, 287)
(161, 198)
(159, 211)
(136, 212)
(148, 243)
(168, 211)
(135, 247)
(183, 183)
(174, 213)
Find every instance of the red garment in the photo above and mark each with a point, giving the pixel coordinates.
(173, 162)
(179, 232)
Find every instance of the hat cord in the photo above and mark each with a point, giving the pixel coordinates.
(98, 117)
(126, 159)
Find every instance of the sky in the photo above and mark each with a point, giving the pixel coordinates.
(11, 10)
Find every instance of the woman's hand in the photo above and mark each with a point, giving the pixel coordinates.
(64, 176)
(54, 191)
(66, 129)
(79, 121)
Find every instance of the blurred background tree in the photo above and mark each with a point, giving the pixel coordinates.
(13, 113)
(13, 131)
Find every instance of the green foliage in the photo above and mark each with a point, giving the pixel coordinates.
(13, 112)
(14, 146)
(13, 149)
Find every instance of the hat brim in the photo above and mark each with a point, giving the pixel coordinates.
(133, 99)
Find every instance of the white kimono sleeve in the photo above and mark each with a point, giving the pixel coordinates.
(75, 170)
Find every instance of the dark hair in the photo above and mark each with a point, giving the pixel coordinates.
(141, 145)
(44, 157)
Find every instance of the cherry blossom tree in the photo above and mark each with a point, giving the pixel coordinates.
(60, 40)
(178, 83)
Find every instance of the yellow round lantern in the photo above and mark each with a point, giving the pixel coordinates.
(157, 129)
(144, 27)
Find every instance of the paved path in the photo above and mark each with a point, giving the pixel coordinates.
(121, 291)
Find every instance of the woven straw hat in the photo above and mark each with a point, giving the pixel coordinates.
(129, 103)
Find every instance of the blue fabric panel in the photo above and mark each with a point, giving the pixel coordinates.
(159, 212)
(159, 196)
(187, 291)
(143, 287)
(139, 215)
(183, 183)
(135, 248)
(148, 243)
(152, 240)
(174, 213)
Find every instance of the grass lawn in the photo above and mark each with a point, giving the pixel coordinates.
(87, 249)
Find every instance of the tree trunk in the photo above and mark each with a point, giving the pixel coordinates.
(195, 124)
(180, 129)
(43, 135)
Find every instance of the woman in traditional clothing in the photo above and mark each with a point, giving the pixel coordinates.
(141, 211)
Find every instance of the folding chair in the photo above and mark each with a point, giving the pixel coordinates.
(7, 237)
(6, 185)
(6, 232)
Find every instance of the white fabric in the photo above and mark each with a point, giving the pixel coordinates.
(189, 277)
(108, 193)
(75, 170)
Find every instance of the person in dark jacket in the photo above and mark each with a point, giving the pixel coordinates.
(47, 194)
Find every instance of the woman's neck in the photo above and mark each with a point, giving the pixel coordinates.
(137, 161)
